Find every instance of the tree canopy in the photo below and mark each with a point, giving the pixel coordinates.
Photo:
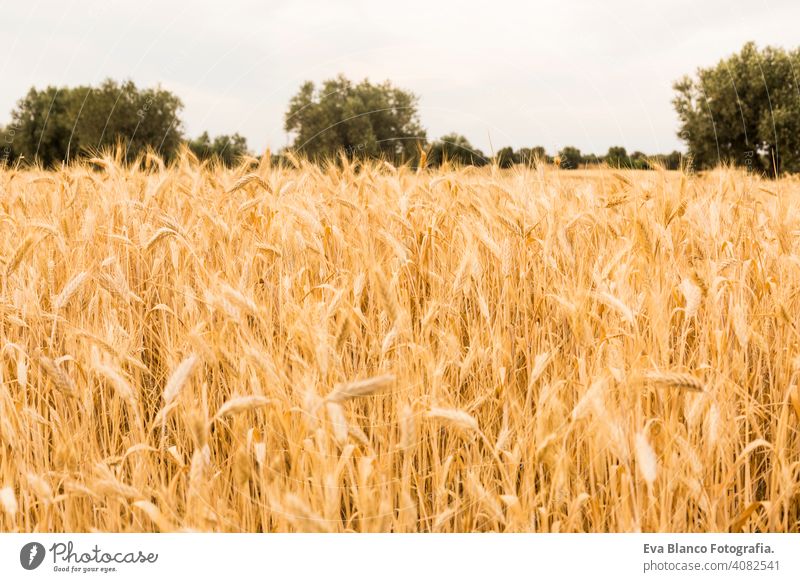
(226, 149)
(744, 111)
(617, 157)
(533, 155)
(456, 149)
(506, 157)
(570, 158)
(59, 123)
(362, 120)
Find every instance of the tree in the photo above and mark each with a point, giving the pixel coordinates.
(505, 157)
(671, 161)
(363, 120)
(639, 161)
(591, 159)
(539, 154)
(456, 149)
(570, 158)
(58, 124)
(227, 149)
(42, 129)
(743, 111)
(617, 157)
(533, 156)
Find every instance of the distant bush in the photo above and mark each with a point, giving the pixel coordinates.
(227, 149)
(456, 149)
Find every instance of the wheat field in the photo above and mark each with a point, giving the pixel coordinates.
(378, 349)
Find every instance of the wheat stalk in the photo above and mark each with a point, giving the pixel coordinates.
(69, 290)
(360, 388)
(454, 417)
(179, 378)
(9, 502)
(646, 459)
(676, 379)
(241, 404)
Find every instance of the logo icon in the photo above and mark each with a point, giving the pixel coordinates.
(31, 555)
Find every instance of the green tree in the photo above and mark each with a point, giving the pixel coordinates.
(540, 154)
(362, 120)
(570, 158)
(617, 157)
(639, 161)
(58, 124)
(591, 159)
(42, 127)
(506, 158)
(532, 156)
(743, 111)
(227, 149)
(672, 160)
(456, 149)
(136, 118)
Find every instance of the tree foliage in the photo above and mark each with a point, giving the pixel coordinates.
(455, 149)
(670, 161)
(360, 120)
(617, 157)
(59, 123)
(227, 149)
(506, 157)
(570, 158)
(744, 111)
(533, 156)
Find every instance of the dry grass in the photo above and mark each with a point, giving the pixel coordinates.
(386, 350)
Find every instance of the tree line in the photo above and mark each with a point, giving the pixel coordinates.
(743, 111)
(60, 124)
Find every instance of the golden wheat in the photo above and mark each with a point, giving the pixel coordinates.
(369, 348)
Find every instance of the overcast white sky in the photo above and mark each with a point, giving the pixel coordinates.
(587, 73)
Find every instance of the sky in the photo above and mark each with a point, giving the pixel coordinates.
(585, 73)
